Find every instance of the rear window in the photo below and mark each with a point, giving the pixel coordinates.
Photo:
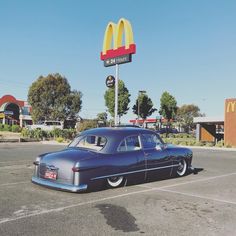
(92, 142)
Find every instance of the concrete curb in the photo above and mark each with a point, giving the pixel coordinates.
(210, 148)
(52, 142)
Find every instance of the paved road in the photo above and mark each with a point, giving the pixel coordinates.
(198, 204)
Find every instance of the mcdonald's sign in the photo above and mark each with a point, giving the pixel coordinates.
(113, 51)
(231, 106)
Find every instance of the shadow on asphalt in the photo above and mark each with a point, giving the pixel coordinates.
(131, 182)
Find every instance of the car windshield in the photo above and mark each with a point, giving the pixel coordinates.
(92, 142)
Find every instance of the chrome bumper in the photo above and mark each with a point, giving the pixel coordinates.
(64, 187)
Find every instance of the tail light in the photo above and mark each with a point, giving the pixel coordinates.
(75, 169)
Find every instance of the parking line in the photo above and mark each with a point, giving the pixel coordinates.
(2, 162)
(149, 189)
(197, 196)
(190, 182)
(5, 220)
(16, 183)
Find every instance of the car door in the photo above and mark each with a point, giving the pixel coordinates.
(157, 159)
(130, 153)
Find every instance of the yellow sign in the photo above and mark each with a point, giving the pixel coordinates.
(114, 36)
(231, 106)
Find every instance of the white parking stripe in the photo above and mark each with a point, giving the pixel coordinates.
(15, 161)
(150, 189)
(192, 182)
(5, 220)
(16, 183)
(197, 196)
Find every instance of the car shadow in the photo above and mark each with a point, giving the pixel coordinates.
(195, 170)
(149, 179)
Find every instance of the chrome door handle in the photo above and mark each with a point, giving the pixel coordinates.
(146, 154)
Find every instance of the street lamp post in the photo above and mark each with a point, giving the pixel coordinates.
(139, 93)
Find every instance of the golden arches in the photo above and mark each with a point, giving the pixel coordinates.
(231, 106)
(115, 32)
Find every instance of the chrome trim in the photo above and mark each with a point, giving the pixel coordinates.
(76, 175)
(51, 167)
(65, 187)
(132, 172)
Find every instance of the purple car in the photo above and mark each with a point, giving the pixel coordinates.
(110, 156)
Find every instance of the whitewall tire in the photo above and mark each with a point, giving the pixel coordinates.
(182, 168)
(115, 182)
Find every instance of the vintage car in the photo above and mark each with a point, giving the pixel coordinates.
(110, 156)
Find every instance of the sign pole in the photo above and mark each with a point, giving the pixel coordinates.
(116, 94)
(118, 54)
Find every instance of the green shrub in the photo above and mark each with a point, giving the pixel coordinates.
(60, 139)
(209, 144)
(26, 133)
(66, 134)
(6, 127)
(87, 124)
(199, 143)
(228, 146)
(16, 128)
(220, 143)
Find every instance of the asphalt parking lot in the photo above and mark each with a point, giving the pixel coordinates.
(203, 203)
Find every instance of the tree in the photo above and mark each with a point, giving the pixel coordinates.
(102, 116)
(143, 106)
(123, 99)
(102, 119)
(168, 106)
(185, 115)
(51, 98)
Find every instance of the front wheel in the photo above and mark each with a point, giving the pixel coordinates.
(115, 182)
(182, 168)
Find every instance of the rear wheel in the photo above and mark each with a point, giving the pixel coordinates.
(182, 168)
(115, 182)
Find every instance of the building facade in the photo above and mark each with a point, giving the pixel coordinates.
(215, 129)
(230, 122)
(13, 111)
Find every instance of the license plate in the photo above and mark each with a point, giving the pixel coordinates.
(50, 175)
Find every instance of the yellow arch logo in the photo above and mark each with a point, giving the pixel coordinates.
(112, 43)
(230, 106)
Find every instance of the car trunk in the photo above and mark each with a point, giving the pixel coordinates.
(58, 166)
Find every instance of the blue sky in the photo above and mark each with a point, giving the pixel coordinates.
(185, 47)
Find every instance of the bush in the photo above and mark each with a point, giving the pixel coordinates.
(87, 124)
(60, 139)
(66, 134)
(5, 127)
(220, 143)
(199, 143)
(16, 128)
(209, 144)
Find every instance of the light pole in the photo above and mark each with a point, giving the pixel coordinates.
(139, 93)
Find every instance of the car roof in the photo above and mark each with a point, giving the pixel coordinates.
(118, 131)
(115, 135)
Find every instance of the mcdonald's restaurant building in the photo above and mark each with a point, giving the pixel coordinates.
(215, 129)
(13, 111)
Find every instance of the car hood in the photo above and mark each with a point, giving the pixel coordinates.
(178, 150)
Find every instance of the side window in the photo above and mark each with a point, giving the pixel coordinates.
(150, 141)
(129, 144)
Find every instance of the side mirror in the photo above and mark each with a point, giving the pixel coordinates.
(159, 146)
